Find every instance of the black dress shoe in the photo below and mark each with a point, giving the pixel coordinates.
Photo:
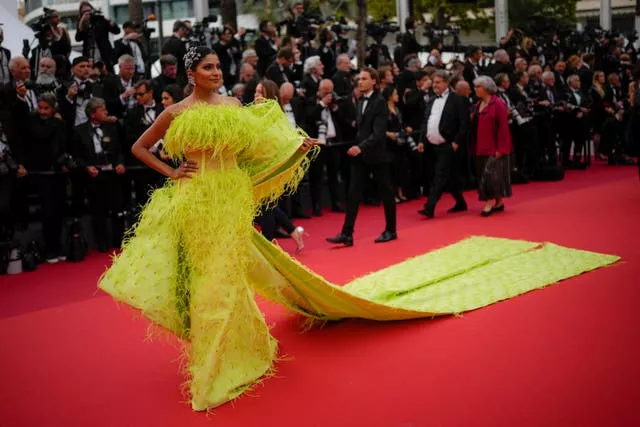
(458, 208)
(337, 208)
(486, 213)
(301, 215)
(497, 208)
(425, 212)
(386, 236)
(341, 239)
(317, 212)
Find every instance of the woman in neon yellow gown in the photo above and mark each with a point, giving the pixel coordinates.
(193, 260)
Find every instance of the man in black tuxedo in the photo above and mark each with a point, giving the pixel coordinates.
(370, 155)
(313, 71)
(342, 82)
(471, 70)
(136, 122)
(266, 46)
(130, 44)
(118, 90)
(93, 31)
(561, 82)
(502, 64)
(444, 132)
(578, 127)
(280, 70)
(100, 154)
(175, 45)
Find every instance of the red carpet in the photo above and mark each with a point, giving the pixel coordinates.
(566, 355)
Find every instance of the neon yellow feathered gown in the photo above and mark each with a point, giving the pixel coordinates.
(193, 260)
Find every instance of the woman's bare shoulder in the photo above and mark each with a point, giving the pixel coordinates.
(232, 101)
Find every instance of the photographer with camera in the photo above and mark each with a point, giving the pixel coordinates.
(46, 161)
(131, 45)
(322, 124)
(229, 51)
(410, 45)
(93, 31)
(53, 39)
(118, 90)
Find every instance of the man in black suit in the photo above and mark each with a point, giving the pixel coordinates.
(471, 70)
(561, 82)
(502, 64)
(266, 46)
(370, 155)
(313, 71)
(136, 122)
(130, 44)
(175, 45)
(280, 70)
(342, 82)
(444, 132)
(93, 32)
(100, 154)
(578, 127)
(410, 45)
(118, 90)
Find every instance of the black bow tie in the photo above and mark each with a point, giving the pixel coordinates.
(148, 107)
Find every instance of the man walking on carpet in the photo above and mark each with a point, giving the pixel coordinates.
(370, 155)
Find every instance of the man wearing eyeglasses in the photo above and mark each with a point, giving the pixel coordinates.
(137, 120)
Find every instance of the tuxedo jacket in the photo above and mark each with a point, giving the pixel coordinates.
(112, 89)
(14, 114)
(159, 84)
(561, 83)
(371, 128)
(310, 87)
(135, 124)
(571, 99)
(266, 54)
(122, 48)
(314, 118)
(469, 72)
(84, 148)
(454, 122)
(68, 109)
(342, 84)
(278, 76)
(409, 44)
(299, 112)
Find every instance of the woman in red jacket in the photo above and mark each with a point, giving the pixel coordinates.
(493, 146)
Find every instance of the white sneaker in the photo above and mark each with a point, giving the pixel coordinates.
(53, 260)
(62, 258)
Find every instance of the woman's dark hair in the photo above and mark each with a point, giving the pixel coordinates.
(175, 92)
(388, 91)
(271, 90)
(195, 55)
(82, 5)
(50, 99)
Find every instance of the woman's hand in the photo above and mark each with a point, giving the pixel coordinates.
(258, 100)
(307, 143)
(185, 170)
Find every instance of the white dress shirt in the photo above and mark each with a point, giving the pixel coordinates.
(433, 124)
(288, 111)
(365, 100)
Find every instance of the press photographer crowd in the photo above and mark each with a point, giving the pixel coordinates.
(405, 125)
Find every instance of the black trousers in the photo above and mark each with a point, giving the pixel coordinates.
(382, 177)
(50, 190)
(269, 221)
(329, 157)
(447, 165)
(105, 200)
(577, 133)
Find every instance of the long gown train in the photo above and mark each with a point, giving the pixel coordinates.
(194, 260)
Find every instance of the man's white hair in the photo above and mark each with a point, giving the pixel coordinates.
(126, 59)
(310, 63)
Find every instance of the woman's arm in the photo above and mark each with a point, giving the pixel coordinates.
(157, 130)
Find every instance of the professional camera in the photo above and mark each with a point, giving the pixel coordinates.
(405, 138)
(8, 165)
(200, 31)
(381, 28)
(95, 16)
(41, 26)
(67, 161)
